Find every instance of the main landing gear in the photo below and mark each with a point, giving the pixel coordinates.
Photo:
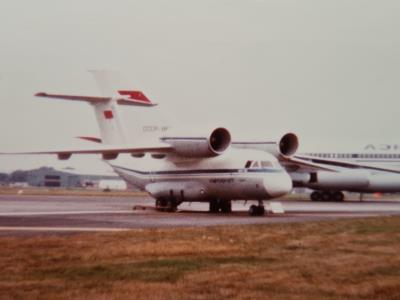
(167, 204)
(327, 196)
(223, 206)
(257, 210)
(216, 206)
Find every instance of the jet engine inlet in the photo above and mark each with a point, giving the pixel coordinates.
(219, 140)
(288, 144)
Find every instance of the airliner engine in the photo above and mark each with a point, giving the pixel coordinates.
(288, 144)
(285, 146)
(215, 144)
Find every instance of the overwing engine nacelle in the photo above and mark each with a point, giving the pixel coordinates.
(286, 145)
(215, 144)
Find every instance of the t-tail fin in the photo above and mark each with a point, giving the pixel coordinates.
(109, 119)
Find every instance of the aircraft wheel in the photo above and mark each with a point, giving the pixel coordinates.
(214, 206)
(255, 210)
(338, 196)
(161, 204)
(316, 196)
(261, 210)
(226, 207)
(172, 205)
(326, 196)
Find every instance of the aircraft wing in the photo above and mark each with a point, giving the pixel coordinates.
(108, 152)
(333, 165)
(294, 164)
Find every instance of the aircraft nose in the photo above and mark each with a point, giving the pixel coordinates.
(278, 184)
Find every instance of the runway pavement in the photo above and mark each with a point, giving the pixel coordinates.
(27, 215)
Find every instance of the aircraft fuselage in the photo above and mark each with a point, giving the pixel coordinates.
(237, 174)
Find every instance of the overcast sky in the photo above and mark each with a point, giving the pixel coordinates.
(327, 70)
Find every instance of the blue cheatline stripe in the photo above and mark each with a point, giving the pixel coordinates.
(264, 170)
(201, 171)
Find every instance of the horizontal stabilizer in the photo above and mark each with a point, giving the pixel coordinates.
(136, 99)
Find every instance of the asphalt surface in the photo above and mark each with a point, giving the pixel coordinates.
(31, 215)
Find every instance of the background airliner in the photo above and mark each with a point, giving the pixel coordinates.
(375, 167)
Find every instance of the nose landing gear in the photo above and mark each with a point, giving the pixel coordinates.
(257, 210)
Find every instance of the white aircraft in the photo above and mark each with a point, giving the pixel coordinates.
(176, 167)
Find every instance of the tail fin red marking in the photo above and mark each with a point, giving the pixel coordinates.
(108, 114)
(135, 95)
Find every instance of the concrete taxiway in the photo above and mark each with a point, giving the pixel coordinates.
(22, 214)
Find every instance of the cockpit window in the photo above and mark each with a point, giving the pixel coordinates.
(248, 164)
(263, 164)
(266, 164)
